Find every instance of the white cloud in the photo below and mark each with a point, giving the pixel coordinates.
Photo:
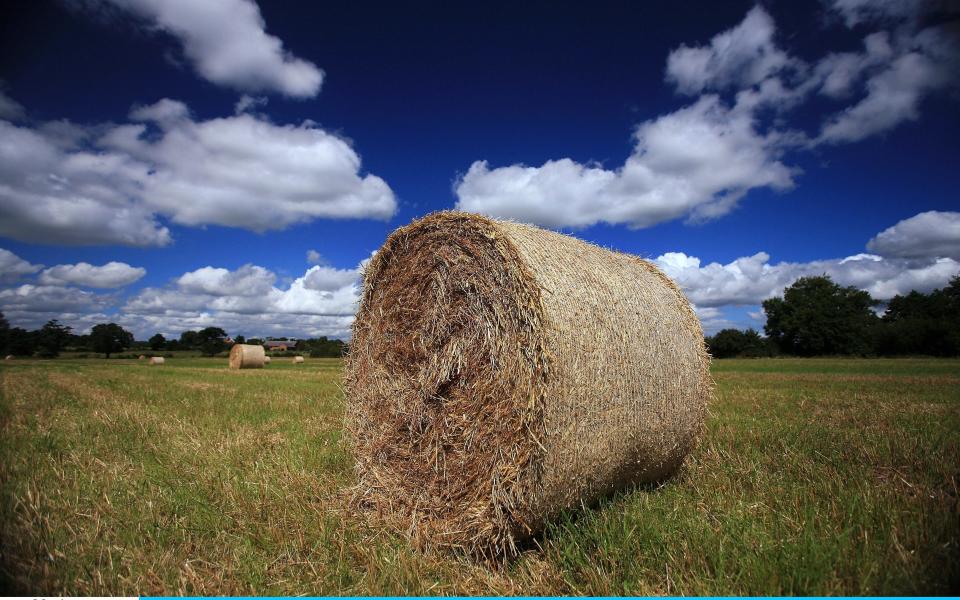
(227, 43)
(749, 280)
(928, 234)
(111, 275)
(855, 12)
(695, 162)
(13, 267)
(893, 97)
(248, 280)
(10, 109)
(314, 257)
(110, 184)
(248, 103)
(32, 298)
(739, 57)
(321, 302)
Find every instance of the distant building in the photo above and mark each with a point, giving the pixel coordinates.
(279, 345)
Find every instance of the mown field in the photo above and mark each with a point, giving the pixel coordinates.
(814, 477)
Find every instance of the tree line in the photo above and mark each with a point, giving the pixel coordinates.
(817, 317)
(109, 338)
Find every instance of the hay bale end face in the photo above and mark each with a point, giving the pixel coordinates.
(500, 373)
(297, 359)
(247, 356)
(156, 360)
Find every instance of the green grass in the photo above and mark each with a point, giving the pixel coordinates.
(814, 477)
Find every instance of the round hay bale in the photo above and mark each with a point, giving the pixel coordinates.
(500, 373)
(246, 356)
(141, 357)
(266, 360)
(156, 360)
(297, 359)
(8, 357)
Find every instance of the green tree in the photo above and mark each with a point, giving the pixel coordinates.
(4, 335)
(157, 341)
(52, 338)
(918, 323)
(240, 340)
(816, 316)
(21, 342)
(728, 343)
(109, 338)
(189, 340)
(212, 340)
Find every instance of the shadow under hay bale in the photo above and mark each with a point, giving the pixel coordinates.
(247, 356)
(500, 374)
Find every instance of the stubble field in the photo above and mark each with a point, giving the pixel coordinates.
(813, 477)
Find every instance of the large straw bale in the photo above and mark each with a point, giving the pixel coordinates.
(156, 360)
(500, 373)
(247, 356)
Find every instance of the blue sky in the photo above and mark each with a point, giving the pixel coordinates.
(171, 164)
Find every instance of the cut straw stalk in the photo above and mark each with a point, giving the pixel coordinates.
(500, 373)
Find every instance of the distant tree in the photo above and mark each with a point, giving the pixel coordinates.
(728, 343)
(21, 342)
(817, 316)
(157, 341)
(212, 340)
(189, 340)
(918, 323)
(240, 340)
(255, 341)
(4, 335)
(109, 338)
(52, 338)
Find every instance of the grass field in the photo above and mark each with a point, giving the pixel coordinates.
(814, 477)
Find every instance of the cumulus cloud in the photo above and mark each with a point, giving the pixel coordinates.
(111, 275)
(695, 162)
(31, 298)
(749, 280)
(113, 184)
(928, 234)
(13, 267)
(10, 109)
(227, 44)
(314, 257)
(321, 302)
(738, 57)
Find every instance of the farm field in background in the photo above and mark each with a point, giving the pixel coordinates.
(815, 476)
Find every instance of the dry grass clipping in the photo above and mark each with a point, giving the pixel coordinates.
(500, 373)
(247, 356)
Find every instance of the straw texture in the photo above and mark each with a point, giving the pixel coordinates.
(156, 360)
(500, 373)
(246, 356)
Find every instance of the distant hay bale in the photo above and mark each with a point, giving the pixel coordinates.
(8, 357)
(141, 357)
(156, 360)
(500, 373)
(266, 360)
(246, 356)
(298, 359)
